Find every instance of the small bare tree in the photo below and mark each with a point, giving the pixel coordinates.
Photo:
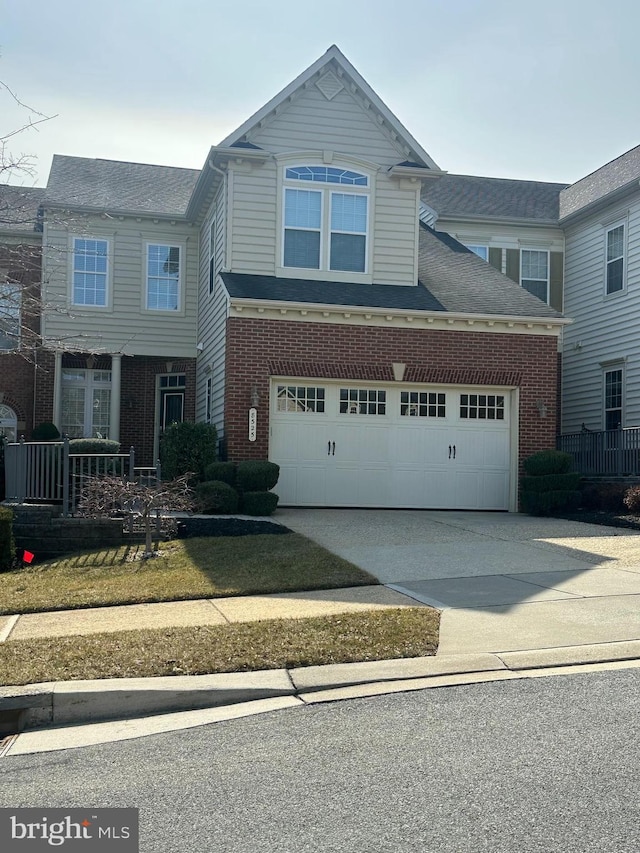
(107, 496)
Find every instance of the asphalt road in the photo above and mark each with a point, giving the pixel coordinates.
(548, 764)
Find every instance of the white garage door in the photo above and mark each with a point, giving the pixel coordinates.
(368, 446)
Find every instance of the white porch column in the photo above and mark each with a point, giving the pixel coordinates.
(114, 411)
(57, 389)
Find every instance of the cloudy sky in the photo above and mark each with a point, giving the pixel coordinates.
(538, 89)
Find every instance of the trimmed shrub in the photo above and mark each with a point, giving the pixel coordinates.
(187, 447)
(7, 545)
(256, 475)
(632, 499)
(94, 445)
(216, 496)
(548, 462)
(549, 486)
(259, 503)
(45, 432)
(545, 503)
(551, 483)
(225, 471)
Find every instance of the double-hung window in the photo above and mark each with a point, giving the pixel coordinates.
(10, 298)
(90, 271)
(615, 259)
(480, 251)
(534, 272)
(163, 277)
(326, 228)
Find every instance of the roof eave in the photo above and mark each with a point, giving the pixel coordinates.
(110, 211)
(498, 220)
(614, 195)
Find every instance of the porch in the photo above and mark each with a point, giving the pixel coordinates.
(613, 452)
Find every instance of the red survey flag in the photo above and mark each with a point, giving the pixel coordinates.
(27, 556)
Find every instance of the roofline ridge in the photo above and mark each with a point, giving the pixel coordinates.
(604, 166)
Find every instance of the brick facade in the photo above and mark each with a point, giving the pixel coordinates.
(258, 349)
(21, 263)
(137, 395)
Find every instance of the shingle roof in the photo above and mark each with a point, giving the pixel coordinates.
(19, 209)
(502, 198)
(451, 279)
(118, 185)
(599, 184)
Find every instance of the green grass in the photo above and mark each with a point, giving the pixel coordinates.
(207, 567)
(271, 644)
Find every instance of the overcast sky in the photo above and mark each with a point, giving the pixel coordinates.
(531, 89)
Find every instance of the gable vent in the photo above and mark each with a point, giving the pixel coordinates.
(329, 85)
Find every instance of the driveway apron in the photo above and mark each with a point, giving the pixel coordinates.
(504, 581)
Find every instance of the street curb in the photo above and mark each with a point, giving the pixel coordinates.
(80, 702)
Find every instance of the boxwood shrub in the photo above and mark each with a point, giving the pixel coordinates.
(215, 497)
(188, 447)
(549, 486)
(7, 545)
(224, 471)
(45, 431)
(94, 445)
(256, 475)
(548, 462)
(259, 503)
(551, 483)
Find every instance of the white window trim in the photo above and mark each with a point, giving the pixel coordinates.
(608, 229)
(164, 312)
(548, 279)
(325, 189)
(108, 306)
(613, 367)
(89, 384)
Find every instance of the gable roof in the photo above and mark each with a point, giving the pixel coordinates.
(19, 209)
(470, 196)
(451, 279)
(119, 186)
(618, 174)
(336, 59)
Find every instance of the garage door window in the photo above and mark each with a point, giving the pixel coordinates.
(299, 398)
(419, 404)
(485, 407)
(362, 401)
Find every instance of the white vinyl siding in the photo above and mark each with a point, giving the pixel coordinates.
(125, 326)
(605, 328)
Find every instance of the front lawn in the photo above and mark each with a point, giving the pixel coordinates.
(271, 644)
(207, 567)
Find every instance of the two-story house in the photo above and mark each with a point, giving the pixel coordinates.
(292, 294)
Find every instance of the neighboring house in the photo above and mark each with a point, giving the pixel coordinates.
(20, 277)
(294, 294)
(511, 224)
(600, 216)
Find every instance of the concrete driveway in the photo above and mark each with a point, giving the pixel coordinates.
(505, 582)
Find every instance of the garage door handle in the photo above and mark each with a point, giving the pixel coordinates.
(333, 448)
(454, 451)
(328, 448)
(449, 451)
(452, 447)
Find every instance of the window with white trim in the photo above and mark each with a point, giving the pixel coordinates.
(482, 407)
(8, 423)
(86, 403)
(300, 398)
(325, 229)
(613, 386)
(363, 401)
(90, 272)
(422, 404)
(615, 258)
(10, 302)
(480, 251)
(163, 277)
(534, 272)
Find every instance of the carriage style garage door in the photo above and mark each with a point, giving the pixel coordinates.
(391, 446)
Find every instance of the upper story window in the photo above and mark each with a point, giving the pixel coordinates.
(163, 277)
(534, 272)
(10, 298)
(326, 229)
(615, 259)
(480, 251)
(90, 269)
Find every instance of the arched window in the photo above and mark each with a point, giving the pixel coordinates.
(325, 228)
(8, 423)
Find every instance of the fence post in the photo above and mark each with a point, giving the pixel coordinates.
(158, 471)
(132, 464)
(21, 470)
(619, 451)
(65, 476)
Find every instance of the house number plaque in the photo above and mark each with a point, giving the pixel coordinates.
(253, 424)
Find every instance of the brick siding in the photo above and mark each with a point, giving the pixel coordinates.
(257, 349)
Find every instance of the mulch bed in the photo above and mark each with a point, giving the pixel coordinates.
(189, 527)
(612, 519)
